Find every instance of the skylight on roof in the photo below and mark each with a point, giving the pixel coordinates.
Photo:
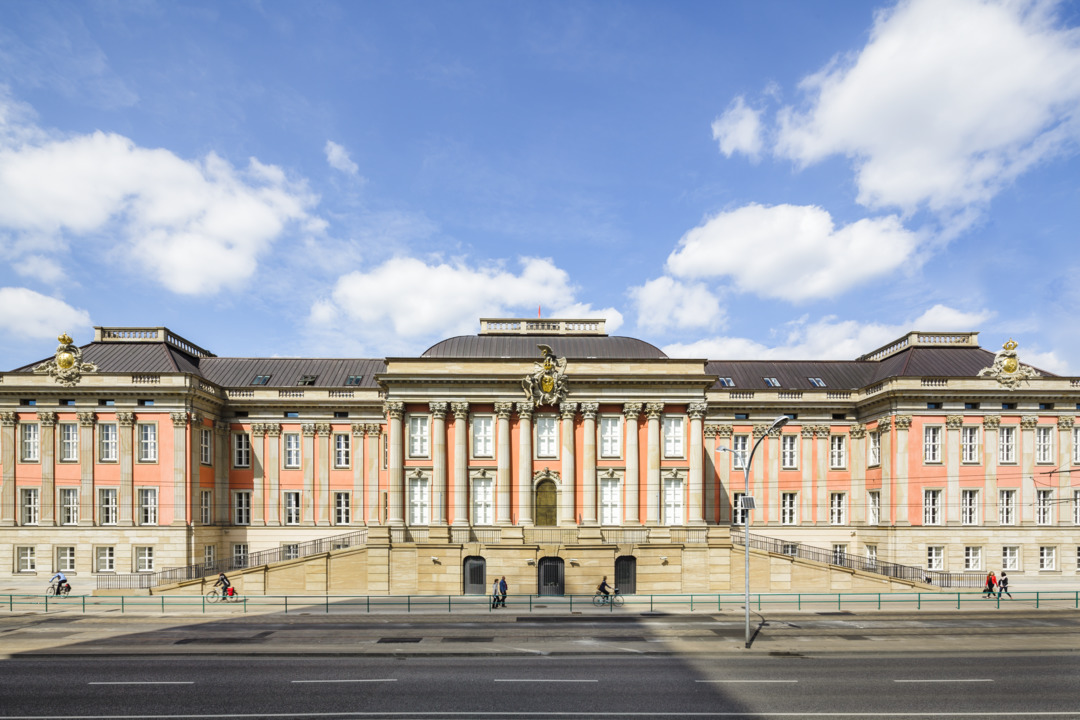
(307, 380)
(816, 382)
(354, 379)
(261, 380)
(726, 382)
(771, 382)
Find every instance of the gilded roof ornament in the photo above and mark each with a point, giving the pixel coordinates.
(1007, 369)
(67, 366)
(546, 385)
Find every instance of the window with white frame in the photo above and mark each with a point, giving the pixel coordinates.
(547, 436)
(1044, 514)
(206, 502)
(789, 508)
(148, 506)
(419, 501)
(789, 451)
(610, 436)
(239, 555)
(29, 442)
(875, 449)
(969, 444)
(290, 551)
(739, 513)
(972, 558)
(673, 500)
(148, 448)
(65, 558)
(69, 506)
(108, 506)
(871, 554)
(674, 435)
(241, 450)
(242, 508)
(969, 507)
(69, 442)
(1076, 507)
(144, 558)
(874, 501)
(1047, 557)
(838, 451)
(108, 442)
(206, 446)
(419, 436)
(483, 435)
(483, 501)
(931, 507)
(610, 497)
(1044, 445)
(105, 559)
(209, 556)
(932, 444)
(30, 502)
(740, 451)
(1010, 557)
(342, 450)
(26, 558)
(1006, 444)
(342, 508)
(789, 548)
(838, 508)
(935, 557)
(292, 507)
(292, 449)
(839, 554)
(1076, 445)
(1006, 507)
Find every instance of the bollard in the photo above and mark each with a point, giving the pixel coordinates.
(121, 604)
(162, 604)
(203, 604)
(286, 604)
(327, 605)
(84, 604)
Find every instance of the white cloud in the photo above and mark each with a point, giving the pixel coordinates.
(949, 101)
(793, 252)
(31, 315)
(339, 159)
(668, 304)
(39, 268)
(739, 130)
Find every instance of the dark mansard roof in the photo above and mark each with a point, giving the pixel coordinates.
(524, 347)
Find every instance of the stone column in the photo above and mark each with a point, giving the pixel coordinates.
(567, 515)
(726, 481)
(258, 469)
(273, 473)
(1064, 488)
(988, 513)
(179, 469)
(307, 453)
(808, 510)
(461, 463)
(396, 465)
(953, 423)
(1026, 501)
(822, 433)
(653, 411)
(524, 474)
(588, 463)
(697, 416)
(710, 432)
(221, 472)
(903, 485)
(194, 473)
(632, 514)
(438, 463)
(766, 506)
(48, 468)
(324, 508)
(357, 510)
(857, 465)
(884, 428)
(8, 424)
(503, 463)
(86, 467)
(126, 426)
(372, 431)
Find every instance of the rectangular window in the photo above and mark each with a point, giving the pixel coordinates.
(105, 559)
(871, 554)
(69, 442)
(790, 549)
(875, 448)
(1007, 507)
(839, 554)
(69, 506)
(418, 436)
(969, 507)
(935, 557)
(144, 559)
(771, 382)
(1047, 558)
(973, 558)
(1007, 445)
(30, 501)
(108, 442)
(206, 501)
(27, 559)
(482, 505)
(673, 499)
(342, 450)
(932, 444)
(1076, 445)
(292, 450)
(969, 444)
(789, 508)
(209, 556)
(342, 508)
(610, 506)
(931, 507)
(838, 508)
(610, 436)
(242, 508)
(673, 437)
(30, 442)
(740, 450)
(290, 551)
(241, 450)
(292, 508)
(789, 451)
(1010, 557)
(483, 436)
(1044, 509)
(65, 559)
(148, 506)
(108, 507)
(353, 380)
(547, 436)
(874, 500)
(725, 382)
(147, 442)
(837, 452)
(206, 446)
(239, 555)
(1076, 507)
(1044, 445)
(817, 382)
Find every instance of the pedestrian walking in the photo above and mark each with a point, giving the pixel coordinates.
(991, 581)
(502, 591)
(1003, 585)
(495, 594)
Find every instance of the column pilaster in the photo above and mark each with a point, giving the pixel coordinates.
(179, 469)
(568, 514)
(223, 447)
(989, 510)
(632, 514)
(8, 422)
(502, 463)
(696, 411)
(258, 469)
(461, 463)
(438, 462)
(1026, 502)
(903, 484)
(653, 411)
(273, 473)
(324, 508)
(372, 432)
(953, 423)
(723, 437)
(857, 502)
(523, 482)
(358, 511)
(588, 462)
(47, 456)
(86, 467)
(310, 496)
(396, 465)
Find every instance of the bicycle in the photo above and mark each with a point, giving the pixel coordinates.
(62, 591)
(599, 599)
(215, 596)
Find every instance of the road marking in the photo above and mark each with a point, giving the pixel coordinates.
(542, 680)
(946, 680)
(746, 681)
(146, 682)
(348, 681)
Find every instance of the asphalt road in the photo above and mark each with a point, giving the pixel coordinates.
(894, 686)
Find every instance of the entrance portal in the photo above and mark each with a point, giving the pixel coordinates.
(550, 579)
(546, 504)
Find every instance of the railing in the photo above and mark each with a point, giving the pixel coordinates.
(409, 534)
(621, 536)
(242, 562)
(688, 536)
(934, 382)
(460, 536)
(290, 393)
(551, 536)
(858, 562)
(525, 326)
(145, 379)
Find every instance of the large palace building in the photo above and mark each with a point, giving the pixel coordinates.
(543, 450)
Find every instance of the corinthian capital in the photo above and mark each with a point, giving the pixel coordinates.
(992, 422)
(1066, 421)
(7, 419)
(697, 411)
(1027, 422)
(438, 410)
(86, 419)
(953, 422)
(903, 422)
(308, 429)
(394, 409)
(654, 409)
(568, 410)
(179, 419)
(589, 410)
(46, 418)
(631, 410)
(461, 410)
(504, 409)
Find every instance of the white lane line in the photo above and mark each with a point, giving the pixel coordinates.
(359, 680)
(946, 680)
(542, 680)
(145, 682)
(746, 681)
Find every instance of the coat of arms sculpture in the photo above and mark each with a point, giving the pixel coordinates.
(546, 385)
(67, 366)
(1007, 369)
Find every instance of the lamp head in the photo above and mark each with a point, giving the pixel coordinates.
(779, 422)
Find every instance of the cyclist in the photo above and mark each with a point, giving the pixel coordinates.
(224, 583)
(602, 588)
(61, 582)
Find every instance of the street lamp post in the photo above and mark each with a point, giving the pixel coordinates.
(747, 506)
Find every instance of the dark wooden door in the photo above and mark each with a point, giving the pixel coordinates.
(550, 576)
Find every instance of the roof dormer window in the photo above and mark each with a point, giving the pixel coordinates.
(771, 382)
(261, 380)
(354, 379)
(726, 382)
(307, 380)
(816, 382)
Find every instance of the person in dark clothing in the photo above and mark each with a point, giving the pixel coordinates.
(502, 591)
(1003, 586)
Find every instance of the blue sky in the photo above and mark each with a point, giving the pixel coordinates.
(726, 180)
